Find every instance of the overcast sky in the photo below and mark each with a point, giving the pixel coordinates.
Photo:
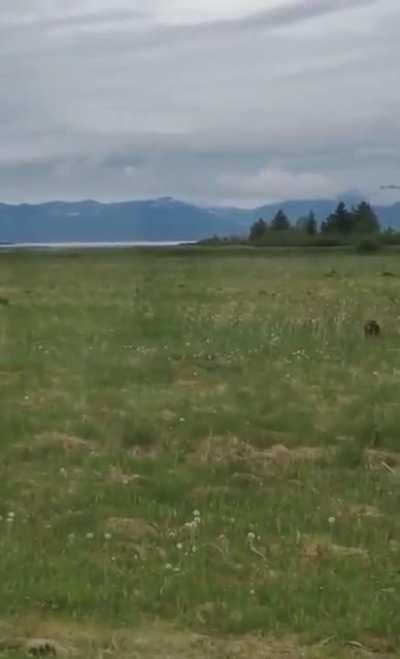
(213, 101)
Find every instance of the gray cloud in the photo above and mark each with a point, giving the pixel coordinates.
(157, 35)
(298, 99)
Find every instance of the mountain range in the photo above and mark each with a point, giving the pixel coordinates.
(163, 219)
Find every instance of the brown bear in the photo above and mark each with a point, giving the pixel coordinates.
(371, 328)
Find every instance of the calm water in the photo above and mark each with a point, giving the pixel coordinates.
(94, 245)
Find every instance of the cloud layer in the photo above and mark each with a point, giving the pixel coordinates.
(217, 104)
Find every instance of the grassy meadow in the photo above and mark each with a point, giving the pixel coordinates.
(200, 454)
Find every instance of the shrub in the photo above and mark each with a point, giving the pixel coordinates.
(368, 245)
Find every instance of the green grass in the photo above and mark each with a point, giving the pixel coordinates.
(148, 385)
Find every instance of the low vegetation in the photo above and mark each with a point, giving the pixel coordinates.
(200, 455)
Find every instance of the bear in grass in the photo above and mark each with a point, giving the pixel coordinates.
(371, 328)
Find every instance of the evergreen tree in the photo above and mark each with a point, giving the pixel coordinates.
(257, 230)
(280, 222)
(365, 219)
(340, 221)
(310, 226)
(307, 224)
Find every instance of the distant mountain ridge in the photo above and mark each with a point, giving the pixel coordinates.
(150, 220)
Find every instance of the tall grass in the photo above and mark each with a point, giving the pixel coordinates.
(144, 387)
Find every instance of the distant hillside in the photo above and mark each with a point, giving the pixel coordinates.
(154, 219)
(159, 219)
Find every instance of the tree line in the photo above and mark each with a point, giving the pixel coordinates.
(360, 219)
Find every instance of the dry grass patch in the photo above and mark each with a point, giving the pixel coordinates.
(363, 510)
(157, 640)
(145, 452)
(68, 443)
(316, 548)
(35, 647)
(233, 450)
(118, 477)
(386, 460)
(131, 528)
